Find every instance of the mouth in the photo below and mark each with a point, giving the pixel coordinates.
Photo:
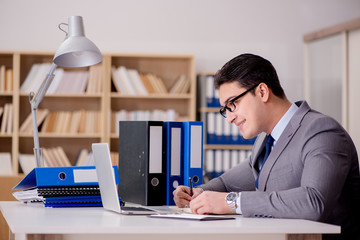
(240, 124)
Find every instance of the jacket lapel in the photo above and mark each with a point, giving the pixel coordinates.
(282, 142)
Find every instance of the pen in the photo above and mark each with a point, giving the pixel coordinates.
(191, 187)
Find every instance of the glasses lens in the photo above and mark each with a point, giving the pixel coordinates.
(223, 112)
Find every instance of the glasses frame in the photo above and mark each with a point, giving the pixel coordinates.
(223, 109)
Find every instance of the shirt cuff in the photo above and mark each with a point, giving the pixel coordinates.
(238, 204)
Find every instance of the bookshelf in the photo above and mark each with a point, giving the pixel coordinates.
(102, 101)
(169, 68)
(224, 147)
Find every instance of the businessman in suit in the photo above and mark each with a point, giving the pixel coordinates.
(303, 163)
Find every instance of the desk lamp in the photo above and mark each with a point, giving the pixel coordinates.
(75, 51)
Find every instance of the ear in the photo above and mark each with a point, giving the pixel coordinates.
(263, 92)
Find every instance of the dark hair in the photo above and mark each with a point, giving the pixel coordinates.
(249, 70)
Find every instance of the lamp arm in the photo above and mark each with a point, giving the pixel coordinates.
(35, 100)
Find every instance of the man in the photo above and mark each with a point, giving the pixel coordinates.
(310, 166)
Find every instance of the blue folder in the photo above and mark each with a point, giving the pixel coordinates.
(62, 176)
(174, 158)
(193, 152)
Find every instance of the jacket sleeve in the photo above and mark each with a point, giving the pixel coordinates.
(237, 179)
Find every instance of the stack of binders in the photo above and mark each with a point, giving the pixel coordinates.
(155, 157)
(61, 187)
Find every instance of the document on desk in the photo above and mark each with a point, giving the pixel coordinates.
(189, 216)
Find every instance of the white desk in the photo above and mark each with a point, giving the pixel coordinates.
(96, 223)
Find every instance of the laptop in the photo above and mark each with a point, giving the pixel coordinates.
(107, 184)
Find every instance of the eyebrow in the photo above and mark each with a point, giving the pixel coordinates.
(229, 99)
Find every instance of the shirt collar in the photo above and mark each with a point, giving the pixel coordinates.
(280, 126)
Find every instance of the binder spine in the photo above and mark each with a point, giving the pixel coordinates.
(174, 133)
(193, 152)
(141, 162)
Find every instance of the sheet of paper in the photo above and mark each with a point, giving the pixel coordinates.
(197, 217)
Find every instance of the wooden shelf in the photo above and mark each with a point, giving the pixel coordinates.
(166, 66)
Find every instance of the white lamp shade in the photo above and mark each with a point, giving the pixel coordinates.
(77, 50)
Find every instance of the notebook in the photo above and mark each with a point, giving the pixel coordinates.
(106, 178)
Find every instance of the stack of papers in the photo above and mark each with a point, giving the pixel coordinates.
(61, 187)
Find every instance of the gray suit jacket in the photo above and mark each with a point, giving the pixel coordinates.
(308, 175)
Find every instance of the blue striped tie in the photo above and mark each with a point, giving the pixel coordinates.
(269, 143)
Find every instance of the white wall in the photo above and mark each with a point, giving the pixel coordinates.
(213, 30)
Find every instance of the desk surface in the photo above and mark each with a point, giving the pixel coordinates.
(30, 219)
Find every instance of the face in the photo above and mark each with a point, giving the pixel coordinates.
(249, 115)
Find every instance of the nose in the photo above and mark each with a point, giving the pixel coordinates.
(230, 117)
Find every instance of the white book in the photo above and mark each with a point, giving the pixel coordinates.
(219, 131)
(5, 164)
(210, 89)
(27, 162)
(177, 87)
(83, 158)
(135, 78)
(25, 86)
(66, 82)
(10, 119)
(125, 79)
(234, 158)
(218, 161)
(209, 162)
(39, 77)
(56, 81)
(211, 123)
(83, 78)
(119, 86)
(227, 129)
(226, 160)
(4, 118)
(235, 132)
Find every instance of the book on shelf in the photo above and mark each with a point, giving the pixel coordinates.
(78, 121)
(9, 85)
(83, 158)
(135, 78)
(182, 85)
(94, 82)
(132, 82)
(208, 96)
(140, 115)
(119, 86)
(2, 78)
(73, 82)
(55, 157)
(36, 76)
(6, 79)
(7, 119)
(217, 161)
(146, 81)
(219, 131)
(5, 163)
(65, 81)
(125, 79)
(27, 127)
(59, 72)
(27, 162)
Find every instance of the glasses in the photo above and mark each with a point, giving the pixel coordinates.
(230, 105)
